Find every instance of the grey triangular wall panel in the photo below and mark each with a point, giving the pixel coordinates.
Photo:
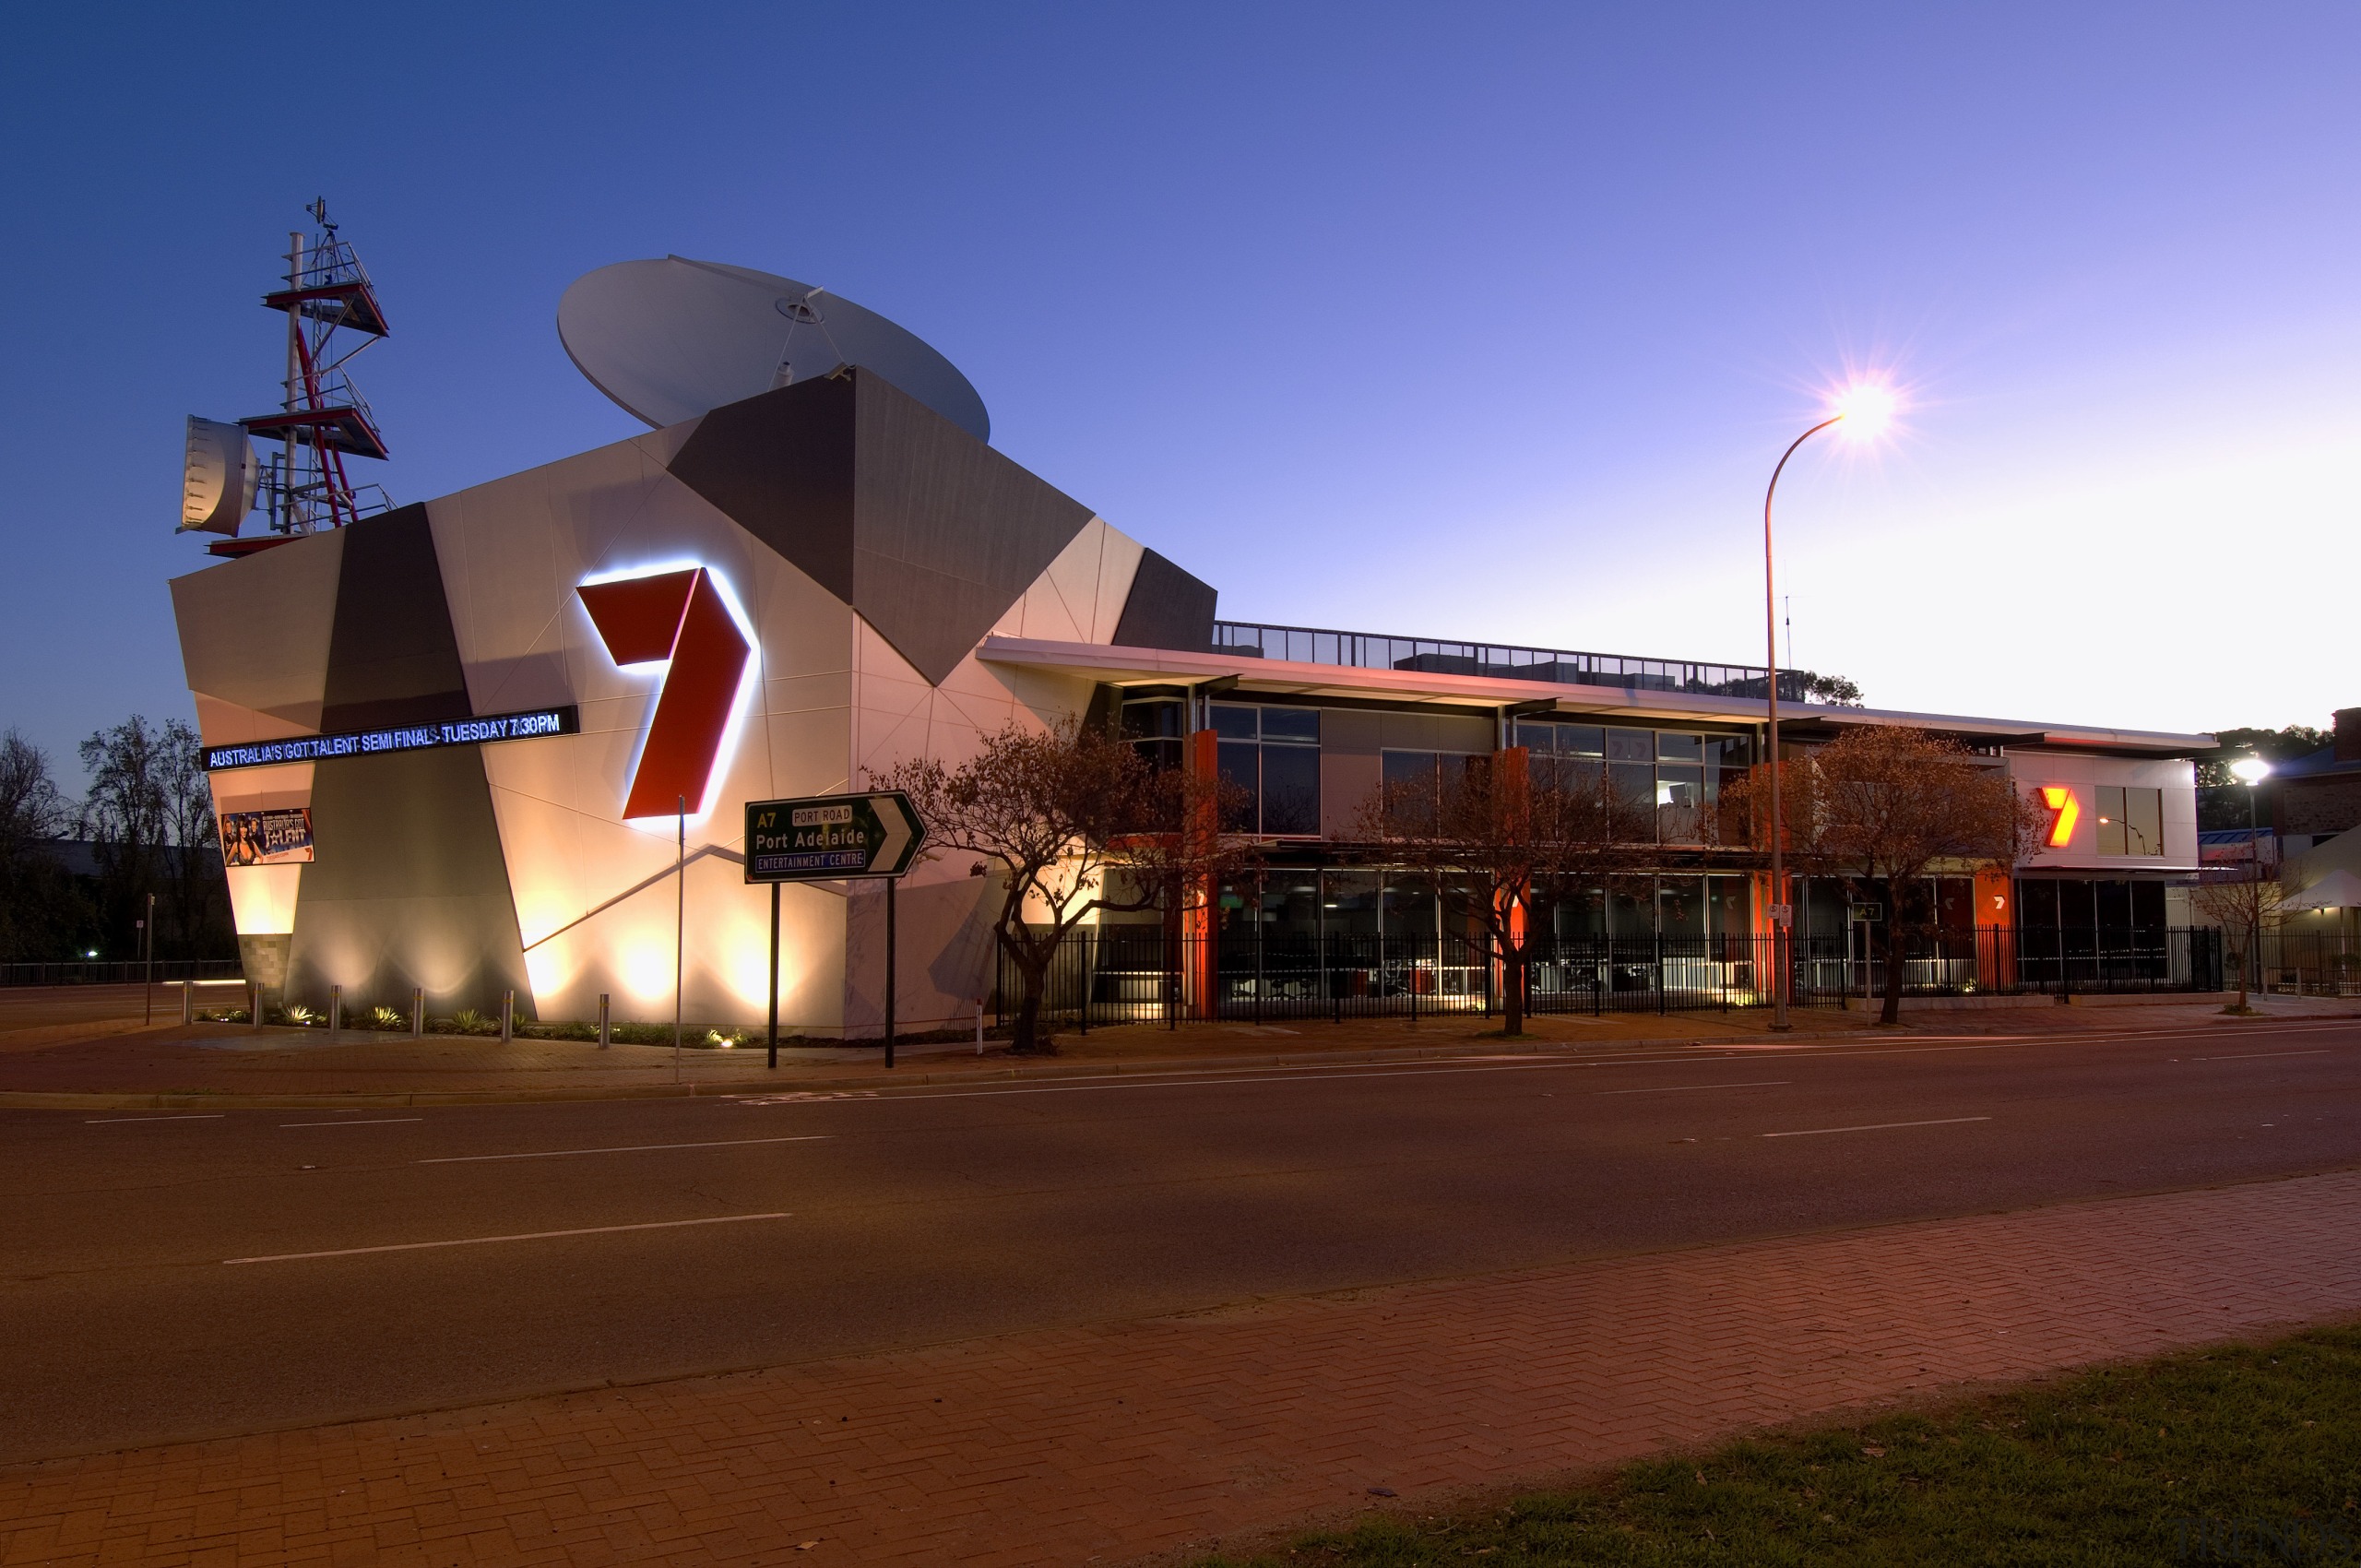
(1167, 608)
(780, 466)
(392, 658)
(950, 533)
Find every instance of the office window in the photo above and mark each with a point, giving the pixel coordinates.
(2132, 821)
(1271, 754)
(1153, 726)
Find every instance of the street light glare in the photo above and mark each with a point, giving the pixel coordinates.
(2251, 769)
(1867, 407)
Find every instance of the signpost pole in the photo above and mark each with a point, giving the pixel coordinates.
(838, 839)
(680, 927)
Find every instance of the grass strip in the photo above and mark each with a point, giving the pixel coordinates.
(2233, 1455)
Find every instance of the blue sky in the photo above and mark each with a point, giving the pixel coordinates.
(1477, 321)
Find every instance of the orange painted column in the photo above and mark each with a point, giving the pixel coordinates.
(1512, 767)
(1996, 930)
(1198, 978)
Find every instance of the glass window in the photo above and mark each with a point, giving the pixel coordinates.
(1673, 746)
(1581, 739)
(2038, 904)
(2144, 821)
(2110, 811)
(1630, 745)
(1539, 739)
(1730, 902)
(1730, 751)
(1349, 903)
(1631, 800)
(1680, 906)
(1290, 788)
(1583, 913)
(1409, 908)
(1145, 721)
(1291, 724)
(1238, 760)
(1630, 907)
(1680, 791)
(1232, 722)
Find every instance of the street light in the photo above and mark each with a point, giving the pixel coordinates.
(2251, 772)
(1864, 408)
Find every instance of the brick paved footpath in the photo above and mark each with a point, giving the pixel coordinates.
(1115, 1442)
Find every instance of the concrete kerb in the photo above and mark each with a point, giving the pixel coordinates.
(1165, 1066)
(872, 1085)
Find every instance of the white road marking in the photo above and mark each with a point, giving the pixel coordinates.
(201, 1116)
(625, 1148)
(373, 1121)
(527, 1236)
(1684, 1088)
(2259, 1055)
(1876, 1127)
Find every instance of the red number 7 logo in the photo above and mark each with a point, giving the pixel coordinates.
(680, 616)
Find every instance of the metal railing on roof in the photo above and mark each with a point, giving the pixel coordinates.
(1365, 650)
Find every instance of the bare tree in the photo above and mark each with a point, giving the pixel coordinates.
(196, 877)
(1060, 812)
(149, 816)
(1516, 834)
(1887, 808)
(36, 900)
(125, 816)
(2246, 902)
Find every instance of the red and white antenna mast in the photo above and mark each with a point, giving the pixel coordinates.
(332, 314)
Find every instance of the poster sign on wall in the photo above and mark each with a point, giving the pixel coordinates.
(267, 839)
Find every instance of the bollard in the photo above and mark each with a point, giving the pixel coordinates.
(602, 1020)
(979, 1026)
(417, 1012)
(336, 1008)
(253, 1003)
(189, 1002)
(507, 1015)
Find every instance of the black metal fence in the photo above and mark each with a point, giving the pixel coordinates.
(126, 971)
(1137, 974)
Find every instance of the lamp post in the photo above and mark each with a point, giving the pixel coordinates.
(2252, 771)
(1864, 411)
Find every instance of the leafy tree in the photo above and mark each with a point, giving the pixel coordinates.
(1060, 812)
(1834, 690)
(1885, 809)
(1515, 834)
(2222, 800)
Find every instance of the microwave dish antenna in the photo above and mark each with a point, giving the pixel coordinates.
(674, 339)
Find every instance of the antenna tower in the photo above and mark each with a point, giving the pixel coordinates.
(332, 314)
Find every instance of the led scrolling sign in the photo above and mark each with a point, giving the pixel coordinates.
(528, 725)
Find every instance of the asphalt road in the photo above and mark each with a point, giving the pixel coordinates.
(170, 1274)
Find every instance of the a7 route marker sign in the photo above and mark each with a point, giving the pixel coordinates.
(831, 837)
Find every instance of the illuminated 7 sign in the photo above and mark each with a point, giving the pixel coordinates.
(680, 617)
(2063, 813)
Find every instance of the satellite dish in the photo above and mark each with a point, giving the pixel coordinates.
(670, 339)
(217, 482)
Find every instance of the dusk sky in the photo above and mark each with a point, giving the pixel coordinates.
(1467, 321)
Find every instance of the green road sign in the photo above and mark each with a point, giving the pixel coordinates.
(830, 838)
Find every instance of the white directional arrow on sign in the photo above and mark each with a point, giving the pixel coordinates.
(902, 833)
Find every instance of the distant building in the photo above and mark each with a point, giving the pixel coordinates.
(2320, 795)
